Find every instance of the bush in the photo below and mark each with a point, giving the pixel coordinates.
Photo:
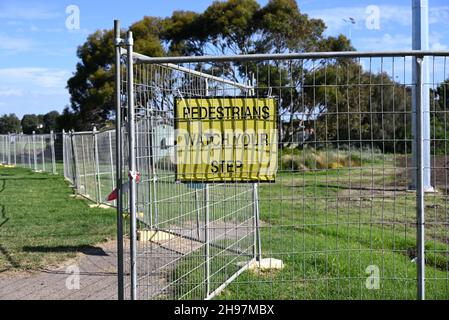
(310, 159)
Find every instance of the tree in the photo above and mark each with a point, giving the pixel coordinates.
(50, 121)
(284, 28)
(242, 26)
(225, 27)
(352, 106)
(68, 120)
(439, 104)
(30, 123)
(9, 124)
(92, 86)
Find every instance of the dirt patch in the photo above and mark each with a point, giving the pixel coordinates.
(439, 172)
(364, 197)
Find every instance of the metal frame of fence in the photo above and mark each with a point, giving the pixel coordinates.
(35, 151)
(179, 237)
(326, 216)
(89, 163)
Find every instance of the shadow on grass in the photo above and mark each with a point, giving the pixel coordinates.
(359, 188)
(3, 218)
(87, 250)
(9, 258)
(23, 178)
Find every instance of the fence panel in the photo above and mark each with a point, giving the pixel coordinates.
(106, 167)
(86, 175)
(36, 151)
(68, 158)
(344, 216)
(89, 163)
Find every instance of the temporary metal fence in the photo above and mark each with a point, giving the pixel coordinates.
(89, 163)
(345, 218)
(37, 151)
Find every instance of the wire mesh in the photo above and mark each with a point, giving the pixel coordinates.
(89, 164)
(193, 237)
(37, 151)
(68, 158)
(342, 214)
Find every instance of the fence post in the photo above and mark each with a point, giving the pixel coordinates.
(132, 167)
(29, 139)
(34, 151)
(153, 169)
(25, 153)
(75, 169)
(15, 149)
(420, 39)
(9, 149)
(53, 156)
(206, 241)
(149, 183)
(22, 150)
(97, 166)
(3, 149)
(118, 162)
(64, 158)
(256, 213)
(420, 187)
(111, 161)
(83, 155)
(43, 152)
(21, 155)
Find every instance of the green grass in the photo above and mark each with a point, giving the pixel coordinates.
(328, 226)
(327, 240)
(41, 225)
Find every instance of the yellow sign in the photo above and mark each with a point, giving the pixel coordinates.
(221, 139)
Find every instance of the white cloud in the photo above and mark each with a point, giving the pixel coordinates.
(35, 77)
(439, 15)
(436, 41)
(31, 12)
(33, 89)
(10, 92)
(386, 42)
(15, 44)
(437, 46)
(391, 16)
(334, 17)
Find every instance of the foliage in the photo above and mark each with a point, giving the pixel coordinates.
(50, 121)
(312, 159)
(363, 109)
(372, 110)
(42, 123)
(9, 123)
(30, 123)
(225, 27)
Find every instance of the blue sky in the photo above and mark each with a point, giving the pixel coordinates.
(38, 52)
